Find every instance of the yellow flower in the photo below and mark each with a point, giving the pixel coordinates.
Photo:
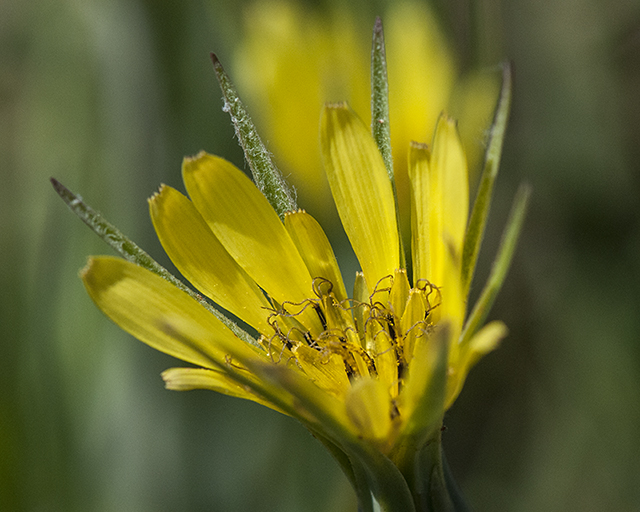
(370, 375)
(291, 61)
(364, 363)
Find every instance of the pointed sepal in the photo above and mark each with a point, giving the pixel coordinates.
(130, 251)
(482, 204)
(380, 114)
(265, 174)
(500, 265)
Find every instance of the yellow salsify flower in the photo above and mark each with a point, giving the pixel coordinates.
(370, 375)
(370, 357)
(325, 54)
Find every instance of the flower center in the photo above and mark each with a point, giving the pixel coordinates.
(371, 337)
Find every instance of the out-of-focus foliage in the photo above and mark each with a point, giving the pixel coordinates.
(109, 95)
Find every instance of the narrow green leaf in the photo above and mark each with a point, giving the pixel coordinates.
(130, 251)
(265, 174)
(380, 115)
(478, 220)
(500, 265)
(380, 97)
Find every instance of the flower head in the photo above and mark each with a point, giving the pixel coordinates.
(369, 373)
(370, 358)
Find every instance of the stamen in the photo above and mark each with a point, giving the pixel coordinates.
(270, 352)
(317, 283)
(321, 316)
(359, 345)
(376, 290)
(429, 288)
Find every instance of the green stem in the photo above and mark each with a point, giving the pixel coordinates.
(381, 486)
(431, 492)
(362, 488)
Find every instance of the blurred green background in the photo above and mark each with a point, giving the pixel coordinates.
(109, 95)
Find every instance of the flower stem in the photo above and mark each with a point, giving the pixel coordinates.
(431, 491)
(429, 477)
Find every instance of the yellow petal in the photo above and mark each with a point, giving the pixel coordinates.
(250, 370)
(452, 306)
(140, 302)
(186, 379)
(449, 184)
(326, 371)
(412, 324)
(440, 203)
(244, 222)
(316, 251)
(419, 156)
(361, 190)
(384, 354)
(399, 293)
(203, 260)
(369, 408)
